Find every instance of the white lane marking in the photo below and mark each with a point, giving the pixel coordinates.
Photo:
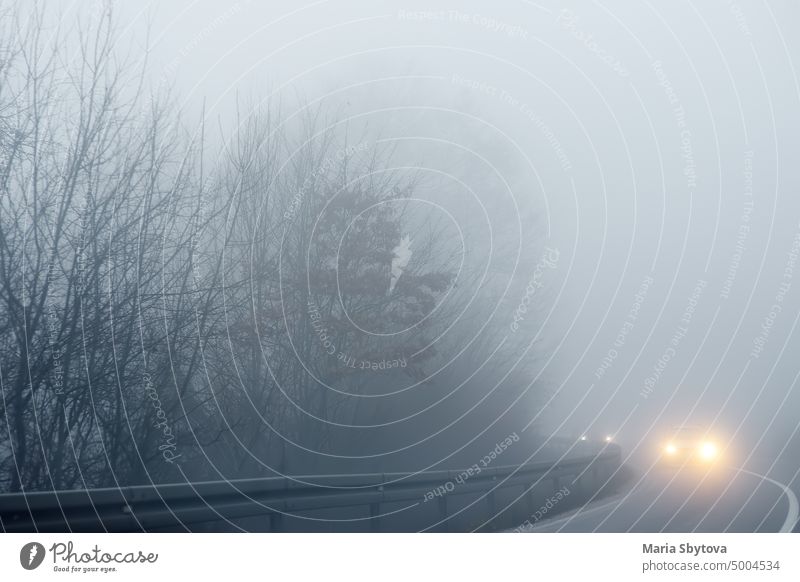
(794, 507)
(788, 525)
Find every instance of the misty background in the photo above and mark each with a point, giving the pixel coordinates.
(203, 210)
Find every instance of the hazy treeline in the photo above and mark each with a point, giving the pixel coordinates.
(178, 301)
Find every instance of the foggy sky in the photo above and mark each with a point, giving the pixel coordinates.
(645, 142)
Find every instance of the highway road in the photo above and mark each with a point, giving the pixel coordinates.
(761, 498)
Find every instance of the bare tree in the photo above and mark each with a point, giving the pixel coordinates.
(97, 204)
(160, 322)
(313, 225)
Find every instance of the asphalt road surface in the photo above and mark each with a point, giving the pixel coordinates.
(761, 498)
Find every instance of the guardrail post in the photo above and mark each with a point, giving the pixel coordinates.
(275, 522)
(443, 513)
(375, 509)
(578, 485)
(492, 501)
(529, 500)
(374, 517)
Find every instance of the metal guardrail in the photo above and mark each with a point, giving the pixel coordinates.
(177, 506)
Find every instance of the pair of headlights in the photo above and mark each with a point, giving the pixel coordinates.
(608, 439)
(707, 450)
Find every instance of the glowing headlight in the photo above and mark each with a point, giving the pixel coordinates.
(609, 439)
(708, 450)
(670, 449)
(583, 438)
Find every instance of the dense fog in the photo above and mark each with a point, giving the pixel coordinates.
(254, 239)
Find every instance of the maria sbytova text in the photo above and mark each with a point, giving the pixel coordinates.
(683, 549)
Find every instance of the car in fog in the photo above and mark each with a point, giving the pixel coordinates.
(689, 445)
